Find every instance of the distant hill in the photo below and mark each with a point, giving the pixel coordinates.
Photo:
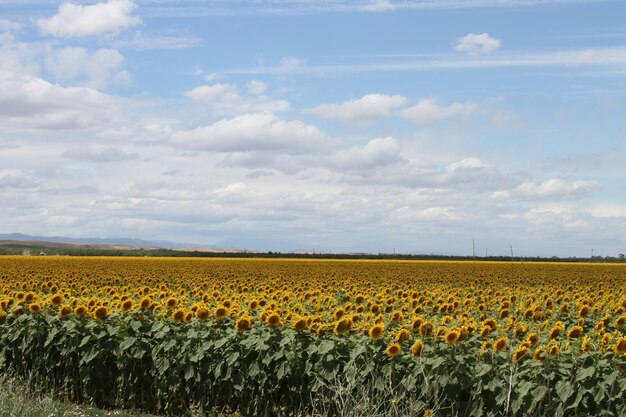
(19, 239)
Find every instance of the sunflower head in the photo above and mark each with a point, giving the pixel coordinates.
(203, 313)
(402, 336)
(65, 311)
(34, 308)
(501, 344)
(574, 332)
(243, 324)
(221, 313)
(540, 354)
(146, 303)
(417, 348)
(171, 302)
(426, 329)
(452, 337)
(533, 338)
(520, 353)
(620, 346)
(376, 331)
(80, 311)
(393, 350)
(127, 304)
(178, 315)
(101, 313)
(300, 323)
(56, 300)
(273, 319)
(342, 326)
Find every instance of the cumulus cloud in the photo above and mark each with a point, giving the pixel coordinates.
(366, 109)
(477, 44)
(99, 154)
(377, 152)
(9, 26)
(225, 99)
(379, 6)
(427, 111)
(74, 20)
(29, 102)
(254, 132)
(13, 178)
(556, 187)
(97, 69)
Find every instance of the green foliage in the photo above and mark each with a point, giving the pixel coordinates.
(160, 366)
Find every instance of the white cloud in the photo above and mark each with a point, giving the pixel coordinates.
(97, 69)
(145, 43)
(427, 111)
(368, 108)
(379, 6)
(477, 44)
(557, 187)
(224, 99)
(254, 132)
(291, 61)
(99, 154)
(605, 210)
(28, 102)
(74, 20)
(377, 152)
(257, 87)
(12, 178)
(9, 26)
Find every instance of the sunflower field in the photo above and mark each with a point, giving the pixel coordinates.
(310, 337)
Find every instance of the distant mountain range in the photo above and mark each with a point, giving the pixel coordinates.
(98, 243)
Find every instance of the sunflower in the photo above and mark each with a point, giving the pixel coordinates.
(56, 300)
(452, 337)
(3, 316)
(586, 345)
(416, 324)
(34, 308)
(171, 302)
(101, 313)
(243, 324)
(299, 323)
(65, 311)
(426, 329)
(393, 349)
(146, 303)
(221, 313)
(491, 323)
(417, 348)
(178, 315)
(127, 305)
(376, 331)
(501, 344)
(620, 346)
(402, 336)
(342, 326)
(574, 332)
(80, 311)
(554, 350)
(397, 317)
(554, 333)
(203, 313)
(540, 355)
(533, 338)
(273, 319)
(519, 353)
(584, 311)
(606, 338)
(29, 297)
(620, 321)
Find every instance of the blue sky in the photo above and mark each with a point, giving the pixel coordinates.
(414, 125)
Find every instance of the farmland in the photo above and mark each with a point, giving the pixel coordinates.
(318, 336)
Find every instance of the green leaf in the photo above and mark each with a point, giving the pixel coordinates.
(564, 390)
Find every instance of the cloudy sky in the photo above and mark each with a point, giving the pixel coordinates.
(334, 125)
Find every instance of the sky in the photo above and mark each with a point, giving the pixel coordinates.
(414, 126)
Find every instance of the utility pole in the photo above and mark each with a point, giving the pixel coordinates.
(473, 249)
(486, 253)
